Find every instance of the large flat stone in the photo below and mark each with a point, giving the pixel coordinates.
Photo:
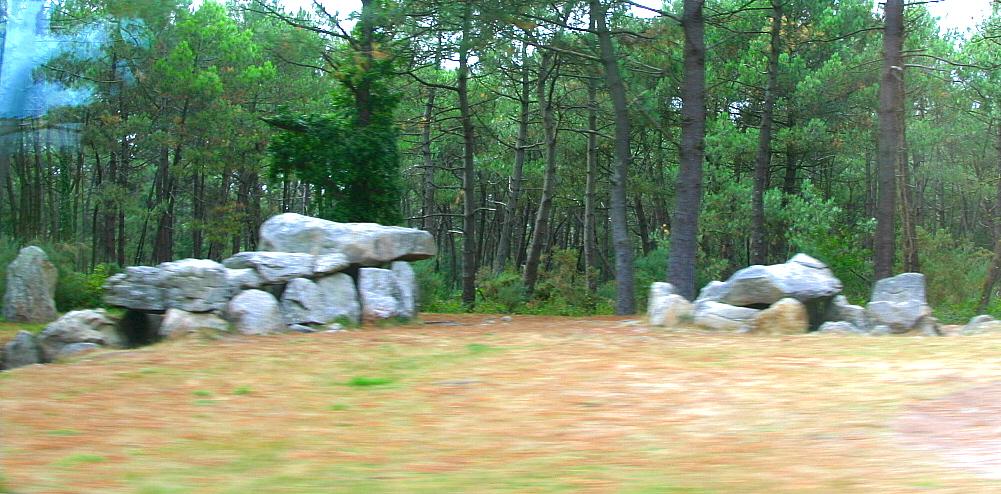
(364, 244)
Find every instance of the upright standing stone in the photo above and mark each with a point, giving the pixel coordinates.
(379, 294)
(301, 303)
(406, 286)
(31, 288)
(899, 304)
(787, 316)
(255, 312)
(339, 298)
(667, 308)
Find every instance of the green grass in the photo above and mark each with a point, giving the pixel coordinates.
(242, 390)
(79, 459)
(367, 382)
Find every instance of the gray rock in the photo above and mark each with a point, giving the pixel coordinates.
(330, 263)
(21, 351)
(802, 278)
(406, 286)
(79, 326)
(274, 267)
(300, 328)
(719, 316)
(899, 303)
(255, 312)
(839, 327)
(195, 285)
(712, 291)
(379, 294)
(243, 279)
(880, 330)
(139, 288)
(666, 308)
(31, 286)
(339, 298)
(178, 323)
(302, 304)
(76, 349)
(981, 325)
(364, 244)
(841, 310)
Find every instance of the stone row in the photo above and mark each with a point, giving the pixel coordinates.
(794, 297)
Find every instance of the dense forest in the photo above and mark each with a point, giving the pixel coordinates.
(564, 154)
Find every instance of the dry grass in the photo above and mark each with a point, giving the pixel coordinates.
(534, 405)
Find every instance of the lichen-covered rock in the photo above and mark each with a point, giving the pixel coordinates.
(243, 279)
(666, 308)
(339, 298)
(195, 285)
(274, 267)
(364, 244)
(31, 288)
(76, 349)
(841, 310)
(379, 294)
(79, 326)
(802, 278)
(711, 292)
(302, 304)
(983, 324)
(406, 287)
(899, 303)
(787, 316)
(723, 317)
(255, 312)
(21, 351)
(139, 288)
(330, 264)
(179, 323)
(839, 327)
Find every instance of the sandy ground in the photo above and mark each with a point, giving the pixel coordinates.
(474, 403)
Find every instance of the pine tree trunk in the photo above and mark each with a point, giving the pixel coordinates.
(625, 298)
(763, 159)
(468, 167)
(540, 232)
(590, 240)
(514, 187)
(890, 134)
(684, 237)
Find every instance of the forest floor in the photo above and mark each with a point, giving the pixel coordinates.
(472, 403)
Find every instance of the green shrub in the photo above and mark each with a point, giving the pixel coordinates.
(504, 290)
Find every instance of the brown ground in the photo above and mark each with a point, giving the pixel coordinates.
(538, 404)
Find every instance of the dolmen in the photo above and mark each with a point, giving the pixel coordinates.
(311, 274)
(799, 296)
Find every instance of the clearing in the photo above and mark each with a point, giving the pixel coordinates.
(536, 404)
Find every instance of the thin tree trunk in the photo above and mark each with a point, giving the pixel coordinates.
(994, 273)
(763, 159)
(590, 240)
(890, 131)
(468, 167)
(540, 233)
(625, 298)
(684, 237)
(514, 186)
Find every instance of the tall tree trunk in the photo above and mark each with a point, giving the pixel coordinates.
(468, 166)
(763, 159)
(684, 237)
(427, 208)
(545, 87)
(520, 148)
(625, 297)
(994, 273)
(590, 240)
(890, 132)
